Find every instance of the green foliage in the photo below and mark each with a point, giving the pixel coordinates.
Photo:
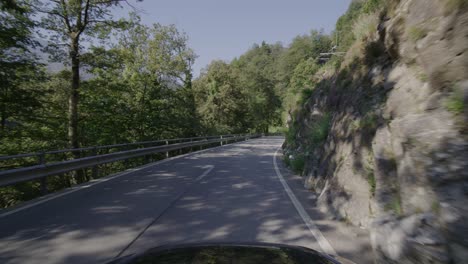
(320, 129)
(395, 206)
(416, 33)
(22, 95)
(303, 75)
(241, 96)
(452, 5)
(455, 102)
(344, 25)
(222, 103)
(140, 89)
(423, 76)
(359, 21)
(371, 181)
(369, 122)
(291, 134)
(365, 26)
(297, 163)
(435, 207)
(303, 49)
(286, 160)
(371, 6)
(306, 94)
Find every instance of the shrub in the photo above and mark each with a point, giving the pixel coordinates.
(455, 102)
(423, 77)
(368, 123)
(286, 160)
(435, 207)
(306, 94)
(395, 206)
(365, 26)
(371, 6)
(291, 134)
(371, 181)
(320, 129)
(298, 163)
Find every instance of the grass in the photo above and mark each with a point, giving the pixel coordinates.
(373, 5)
(368, 123)
(297, 164)
(320, 129)
(452, 5)
(286, 160)
(455, 102)
(423, 77)
(371, 182)
(306, 94)
(416, 33)
(395, 206)
(290, 134)
(365, 26)
(435, 207)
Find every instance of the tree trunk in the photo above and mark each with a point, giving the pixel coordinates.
(73, 97)
(73, 105)
(189, 100)
(3, 107)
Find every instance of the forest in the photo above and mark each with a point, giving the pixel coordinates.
(121, 81)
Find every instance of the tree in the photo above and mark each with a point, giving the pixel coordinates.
(302, 48)
(141, 87)
(159, 62)
(303, 75)
(257, 73)
(70, 22)
(221, 101)
(20, 95)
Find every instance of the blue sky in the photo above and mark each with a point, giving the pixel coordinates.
(224, 29)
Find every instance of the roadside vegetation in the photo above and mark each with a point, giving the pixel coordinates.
(137, 85)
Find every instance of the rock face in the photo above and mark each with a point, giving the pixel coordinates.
(396, 157)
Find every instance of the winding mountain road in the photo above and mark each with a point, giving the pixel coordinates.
(237, 192)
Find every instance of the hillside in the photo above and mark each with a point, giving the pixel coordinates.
(382, 134)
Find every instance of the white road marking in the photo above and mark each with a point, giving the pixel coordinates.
(97, 181)
(209, 169)
(322, 241)
(169, 206)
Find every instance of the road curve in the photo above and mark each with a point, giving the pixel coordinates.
(230, 193)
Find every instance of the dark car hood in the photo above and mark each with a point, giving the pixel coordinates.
(223, 252)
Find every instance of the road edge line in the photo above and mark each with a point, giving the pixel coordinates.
(322, 241)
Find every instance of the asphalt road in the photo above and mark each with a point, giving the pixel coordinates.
(232, 193)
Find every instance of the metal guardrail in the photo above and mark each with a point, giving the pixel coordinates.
(166, 141)
(41, 171)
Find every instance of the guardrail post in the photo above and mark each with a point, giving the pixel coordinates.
(42, 160)
(180, 150)
(221, 141)
(95, 169)
(167, 152)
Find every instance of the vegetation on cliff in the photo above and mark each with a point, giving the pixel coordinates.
(390, 161)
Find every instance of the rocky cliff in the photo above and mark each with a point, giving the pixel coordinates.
(394, 159)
